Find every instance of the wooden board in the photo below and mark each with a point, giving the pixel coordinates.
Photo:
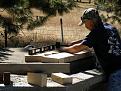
(56, 57)
(35, 67)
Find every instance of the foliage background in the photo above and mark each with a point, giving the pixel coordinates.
(50, 32)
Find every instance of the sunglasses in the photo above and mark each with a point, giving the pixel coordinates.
(84, 19)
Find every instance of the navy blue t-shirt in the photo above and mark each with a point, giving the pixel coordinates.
(107, 45)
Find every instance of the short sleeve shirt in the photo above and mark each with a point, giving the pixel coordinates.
(107, 46)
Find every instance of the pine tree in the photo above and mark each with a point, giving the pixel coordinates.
(20, 14)
(110, 6)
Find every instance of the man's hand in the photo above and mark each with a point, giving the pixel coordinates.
(62, 49)
(75, 42)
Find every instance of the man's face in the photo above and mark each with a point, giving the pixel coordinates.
(89, 24)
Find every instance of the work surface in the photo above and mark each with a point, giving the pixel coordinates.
(15, 56)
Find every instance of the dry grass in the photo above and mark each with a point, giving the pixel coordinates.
(51, 30)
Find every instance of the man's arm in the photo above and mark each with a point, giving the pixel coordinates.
(75, 42)
(75, 48)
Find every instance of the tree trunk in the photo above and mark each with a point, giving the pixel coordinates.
(5, 33)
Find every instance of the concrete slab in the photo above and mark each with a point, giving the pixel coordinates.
(35, 67)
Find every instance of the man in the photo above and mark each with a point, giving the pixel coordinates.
(106, 43)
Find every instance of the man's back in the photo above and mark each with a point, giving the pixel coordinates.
(109, 50)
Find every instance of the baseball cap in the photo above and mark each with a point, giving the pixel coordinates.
(90, 13)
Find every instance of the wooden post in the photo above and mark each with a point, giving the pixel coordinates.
(62, 38)
(1, 77)
(6, 78)
(89, 1)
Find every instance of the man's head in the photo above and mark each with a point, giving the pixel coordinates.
(90, 17)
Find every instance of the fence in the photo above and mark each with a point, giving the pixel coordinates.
(89, 1)
(42, 37)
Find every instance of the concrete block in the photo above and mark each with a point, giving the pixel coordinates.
(39, 79)
(61, 78)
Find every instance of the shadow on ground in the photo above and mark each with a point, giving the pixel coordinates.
(100, 87)
(4, 53)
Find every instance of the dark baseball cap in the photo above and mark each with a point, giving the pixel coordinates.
(90, 13)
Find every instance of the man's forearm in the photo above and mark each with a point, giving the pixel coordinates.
(75, 48)
(75, 42)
